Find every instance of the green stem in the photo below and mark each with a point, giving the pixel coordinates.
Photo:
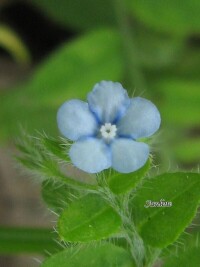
(134, 75)
(15, 240)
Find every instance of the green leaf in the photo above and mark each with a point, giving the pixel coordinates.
(106, 255)
(121, 183)
(87, 219)
(170, 16)
(27, 240)
(70, 72)
(161, 226)
(57, 195)
(84, 14)
(188, 258)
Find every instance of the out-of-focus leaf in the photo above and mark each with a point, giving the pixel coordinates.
(106, 255)
(84, 14)
(161, 226)
(190, 257)
(188, 240)
(27, 240)
(188, 63)
(187, 150)
(70, 72)
(156, 51)
(179, 101)
(11, 42)
(87, 219)
(121, 183)
(172, 16)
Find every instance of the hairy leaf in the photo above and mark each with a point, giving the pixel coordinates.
(41, 161)
(106, 255)
(58, 195)
(87, 219)
(161, 226)
(56, 147)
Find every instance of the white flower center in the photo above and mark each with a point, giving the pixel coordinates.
(108, 131)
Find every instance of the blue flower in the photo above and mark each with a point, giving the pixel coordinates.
(106, 129)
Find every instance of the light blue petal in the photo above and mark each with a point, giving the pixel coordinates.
(128, 155)
(142, 119)
(108, 100)
(90, 155)
(76, 120)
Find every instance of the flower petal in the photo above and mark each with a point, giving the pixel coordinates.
(90, 155)
(76, 120)
(128, 155)
(142, 119)
(108, 101)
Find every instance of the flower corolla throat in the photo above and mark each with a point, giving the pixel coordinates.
(108, 131)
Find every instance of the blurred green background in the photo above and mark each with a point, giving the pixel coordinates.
(51, 51)
(152, 47)
(66, 46)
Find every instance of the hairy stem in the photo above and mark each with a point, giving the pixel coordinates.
(135, 242)
(120, 204)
